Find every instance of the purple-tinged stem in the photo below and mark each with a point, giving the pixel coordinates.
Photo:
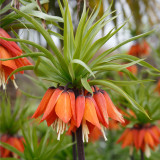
(74, 146)
(80, 146)
(142, 155)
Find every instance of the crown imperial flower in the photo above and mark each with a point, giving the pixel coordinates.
(140, 49)
(63, 107)
(16, 142)
(157, 89)
(141, 137)
(9, 49)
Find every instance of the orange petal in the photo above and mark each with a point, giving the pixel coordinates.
(6, 153)
(113, 125)
(7, 72)
(18, 145)
(42, 106)
(3, 33)
(80, 106)
(156, 131)
(95, 134)
(155, 138)
(133, 69)
(90, 113)
(4, 54)
(72, 127)
(128, 140)
(141, 137)
(51, 104)
(63, 107)
(123, 135)
(51, 118)
(101, 103)
(112, 110)
(73, 103)
(100, 118)
(135, 137)
(148, 139)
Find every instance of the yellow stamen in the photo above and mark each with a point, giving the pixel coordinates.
(14, 83)
(60, 127)
(103, 132)
(147, 151)
(2, 79)
(85, 131)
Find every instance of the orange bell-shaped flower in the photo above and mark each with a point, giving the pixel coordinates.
(140, 49)
(157, 89)
(14, 142)
(9, 49)
(61, 108)
(141, 137)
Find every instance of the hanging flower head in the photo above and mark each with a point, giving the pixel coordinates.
(9, 49)
(142, 137)
(116, 125)
(157, 89)
(16, 142)
(133, 69)
(66, 108)
(140, 49)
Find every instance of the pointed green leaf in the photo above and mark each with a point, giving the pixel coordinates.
(47, 37)
(56, 34)
(104, 54)
(71, 71)
(129, 58)
(12, 149)
(86, 84)
(115, 67)
(126, 83)
(45, 51)
(33, 54)
(44, 16)
(84, 65)
(20, 69)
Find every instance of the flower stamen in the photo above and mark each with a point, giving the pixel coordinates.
(2, 79)
(147, 151)
(103, 132)
(85, 132)
(60, 126)
(15, 85)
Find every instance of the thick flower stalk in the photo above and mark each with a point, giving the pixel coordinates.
(16, 142)
(9, 49)
(67, 109)
(141, 137)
